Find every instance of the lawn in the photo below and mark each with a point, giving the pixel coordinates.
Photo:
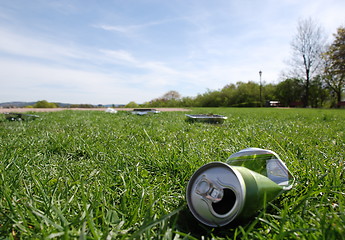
(96, 175)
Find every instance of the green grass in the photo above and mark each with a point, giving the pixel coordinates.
(94, 175)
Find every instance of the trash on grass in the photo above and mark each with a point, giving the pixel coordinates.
(219, 193)
(19, 116)
(144, 111)
(209, 118)
(110, 110)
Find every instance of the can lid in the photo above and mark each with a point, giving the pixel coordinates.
(215, 194)
(265, 162)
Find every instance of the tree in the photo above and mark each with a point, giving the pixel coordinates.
(289, 92)
(269, 92)
(169, 99)
(335, 64)
(209, 99)
(132, 105)
(229, 95)
(307, 46)
(44, 104)
(247, 94)
(171, 95)
(187, 102)
(81, 106)
(318, 92)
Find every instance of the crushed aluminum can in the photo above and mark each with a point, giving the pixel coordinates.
(144, 111)
(219, 193)
(11, 116)
(208, 118)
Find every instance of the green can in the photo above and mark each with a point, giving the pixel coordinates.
(219, 193)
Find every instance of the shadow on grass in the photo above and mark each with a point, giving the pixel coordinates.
(184, 222)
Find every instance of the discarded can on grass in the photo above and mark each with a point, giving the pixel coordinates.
(219, 193)
(11, 116)
(144, 111)
(208, 118)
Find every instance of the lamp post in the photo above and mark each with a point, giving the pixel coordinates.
(260, 73)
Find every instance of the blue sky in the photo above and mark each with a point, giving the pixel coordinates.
(117, 51)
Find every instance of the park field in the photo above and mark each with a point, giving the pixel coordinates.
(97, 175)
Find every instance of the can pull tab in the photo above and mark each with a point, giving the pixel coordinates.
(209, 190)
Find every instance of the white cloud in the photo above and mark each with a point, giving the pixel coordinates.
(134, 27)
(22, 45)
(121, 29)
(119, 55)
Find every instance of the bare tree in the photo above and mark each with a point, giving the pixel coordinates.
(307, 46)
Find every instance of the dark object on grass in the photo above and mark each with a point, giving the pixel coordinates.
(219, 193)
(19, 116)
(208, 118)
(144, 111)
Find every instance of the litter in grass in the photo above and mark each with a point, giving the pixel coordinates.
(19, 116)
(208, 118)
(144, 111)
(219, 193)
(110, 110)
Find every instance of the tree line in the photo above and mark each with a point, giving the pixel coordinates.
(46, 104)
(289, 93)
(315, 78)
